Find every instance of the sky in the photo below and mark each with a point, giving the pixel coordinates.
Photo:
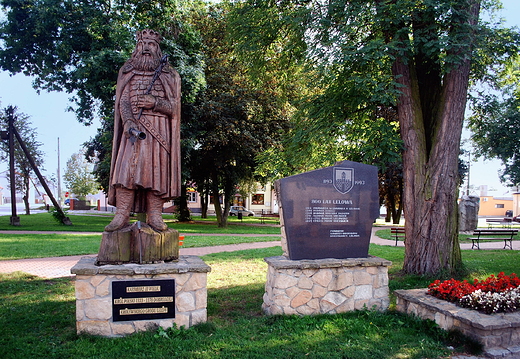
(48, 115)
(486, 172)
(55, 125)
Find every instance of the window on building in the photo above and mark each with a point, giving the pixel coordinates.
(192, 196)
(499, 205)
(257, 199)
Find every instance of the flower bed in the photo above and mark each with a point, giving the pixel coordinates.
(492, 295)
(499, 333)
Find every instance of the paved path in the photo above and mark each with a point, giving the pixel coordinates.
(56, 267)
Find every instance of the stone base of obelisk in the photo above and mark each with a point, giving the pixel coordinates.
(118, 300)
(138, 243)
(325, 286)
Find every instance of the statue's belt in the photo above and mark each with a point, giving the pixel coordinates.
(155, 134)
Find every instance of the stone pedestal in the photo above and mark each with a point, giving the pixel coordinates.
(318, 286)
(138, 243)
(94, 295)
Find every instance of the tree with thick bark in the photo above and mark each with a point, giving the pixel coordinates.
(431, 108)
(416, 55)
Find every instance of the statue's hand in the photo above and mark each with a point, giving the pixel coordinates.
(128, 125)
(146, 101)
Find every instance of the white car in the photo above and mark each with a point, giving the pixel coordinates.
(235, 210)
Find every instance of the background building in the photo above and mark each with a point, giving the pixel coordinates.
(261, 201)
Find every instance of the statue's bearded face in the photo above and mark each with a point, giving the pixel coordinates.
(147, 55)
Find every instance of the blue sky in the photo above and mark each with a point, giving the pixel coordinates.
(487, 172)
(48, 115)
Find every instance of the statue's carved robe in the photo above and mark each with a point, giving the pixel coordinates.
(152, 164)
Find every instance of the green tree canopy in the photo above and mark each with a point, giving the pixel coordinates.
(231, 122)
(78, 46)
(495, 125)
(417, 56)
(495, 118)
(78, 176)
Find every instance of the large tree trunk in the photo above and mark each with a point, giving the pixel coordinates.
(184, 214)
(431, 128)
(430, 194)
(204, 205)
(205, 190)
(26, 185)
(216, 201)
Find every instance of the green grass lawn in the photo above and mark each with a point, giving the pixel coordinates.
(97, 223)
(37, 318)
(65, 240)
(45, 222)
(20, 246)
(232, 228)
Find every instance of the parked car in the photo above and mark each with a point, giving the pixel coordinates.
(235, 210)
(67, 201)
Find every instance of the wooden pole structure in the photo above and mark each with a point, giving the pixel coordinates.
(59, 173)
(65, 220)
(15, 220)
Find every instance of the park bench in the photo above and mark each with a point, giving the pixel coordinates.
(398, 233)
(267, 215)
(494, 234)
(504, 222)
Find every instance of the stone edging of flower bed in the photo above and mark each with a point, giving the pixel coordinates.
(499, 333)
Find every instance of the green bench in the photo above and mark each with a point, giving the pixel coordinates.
(398, 233)
(496, 234)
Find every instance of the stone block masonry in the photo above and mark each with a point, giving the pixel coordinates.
(318, 286)
(94, 294)
(499, 333)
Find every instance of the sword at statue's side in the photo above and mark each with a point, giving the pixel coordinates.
(136, 134)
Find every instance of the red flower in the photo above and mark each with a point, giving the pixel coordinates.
(452, 290)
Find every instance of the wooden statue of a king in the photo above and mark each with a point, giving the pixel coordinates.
(145, 168)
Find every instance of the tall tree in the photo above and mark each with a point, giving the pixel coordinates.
(79, 177)
(416, 55)
(431, 109)
(23, 169)
(231, 122)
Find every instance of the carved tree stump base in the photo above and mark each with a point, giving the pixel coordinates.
(138, 245)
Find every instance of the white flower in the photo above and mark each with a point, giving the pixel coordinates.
(490, 302)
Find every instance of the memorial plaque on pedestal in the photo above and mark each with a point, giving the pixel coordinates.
(328, 213)
(143, 300)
